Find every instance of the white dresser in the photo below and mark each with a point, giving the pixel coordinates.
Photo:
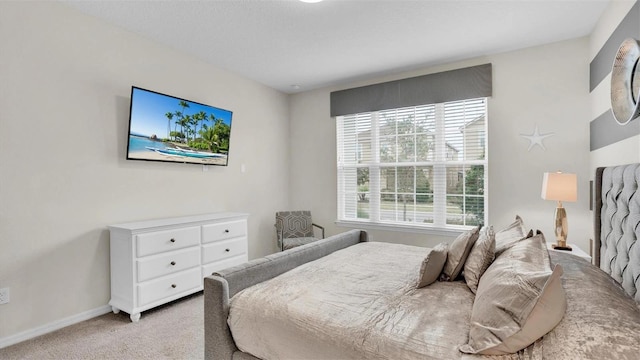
(157, 261)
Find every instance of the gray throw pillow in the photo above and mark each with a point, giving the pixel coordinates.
(480, 257)
(510, 235)
(458, 252)
(519, 299)
(432, 265)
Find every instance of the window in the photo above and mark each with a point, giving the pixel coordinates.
(422, 166)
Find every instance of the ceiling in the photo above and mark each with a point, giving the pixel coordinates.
(294, 46)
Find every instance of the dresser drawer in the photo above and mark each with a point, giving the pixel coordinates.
(161, 241)
(170, 285)
(223, 249)
(167, 263)
(226, 230)
(210, 268)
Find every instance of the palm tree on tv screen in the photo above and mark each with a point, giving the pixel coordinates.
(169, 116)
(223, 131)
(184, 123)
(184, 105)
(216, 137)
(200, 117)
(195, 130)
(211, 138)
(178, 116)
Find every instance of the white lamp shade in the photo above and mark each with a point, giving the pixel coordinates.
(560, 186)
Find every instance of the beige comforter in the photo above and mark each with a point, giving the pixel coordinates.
(361, 303)
(362, 300)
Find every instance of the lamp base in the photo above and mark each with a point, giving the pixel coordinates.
(561, 229)
(558, 247)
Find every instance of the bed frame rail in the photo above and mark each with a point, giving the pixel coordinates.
(220, 287)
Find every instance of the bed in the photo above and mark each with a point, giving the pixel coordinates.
(324, 300)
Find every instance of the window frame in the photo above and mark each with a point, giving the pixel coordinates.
(439, 226)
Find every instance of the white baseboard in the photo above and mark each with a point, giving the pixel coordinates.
(58, 324)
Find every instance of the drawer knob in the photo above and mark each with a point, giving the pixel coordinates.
(227, 250)
(172, 240)
(173, 263)
(174, 286)
(226, 231)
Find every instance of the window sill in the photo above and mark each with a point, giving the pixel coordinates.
(452, 232)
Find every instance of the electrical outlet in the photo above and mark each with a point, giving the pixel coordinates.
(4, 296)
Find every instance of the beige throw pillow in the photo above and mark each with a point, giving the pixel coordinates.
(458, 252)
(519, 300)
(432, 265)
(510, 235)
(480, 257)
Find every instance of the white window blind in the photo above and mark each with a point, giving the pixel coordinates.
(422, 166)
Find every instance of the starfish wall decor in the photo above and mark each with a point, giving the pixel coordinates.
(536, 138)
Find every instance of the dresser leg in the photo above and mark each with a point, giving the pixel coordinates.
(135, 317)
(115, 309)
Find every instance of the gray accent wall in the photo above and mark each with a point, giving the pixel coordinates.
(601, 64)
(604, 130)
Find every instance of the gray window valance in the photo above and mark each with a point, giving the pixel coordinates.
(467, 83)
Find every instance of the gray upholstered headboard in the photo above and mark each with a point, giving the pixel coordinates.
(617, 225)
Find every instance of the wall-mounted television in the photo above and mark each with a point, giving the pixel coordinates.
(171, 129)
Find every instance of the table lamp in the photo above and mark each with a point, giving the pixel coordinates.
(560, 187)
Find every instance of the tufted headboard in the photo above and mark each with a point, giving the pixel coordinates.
(617, 225)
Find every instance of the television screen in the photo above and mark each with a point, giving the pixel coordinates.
(167, 128)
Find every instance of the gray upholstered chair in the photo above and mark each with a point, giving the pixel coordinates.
(295, 228)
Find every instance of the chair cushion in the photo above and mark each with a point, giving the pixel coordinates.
(294, 224)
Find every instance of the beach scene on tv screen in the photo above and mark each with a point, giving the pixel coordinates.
(165, 128)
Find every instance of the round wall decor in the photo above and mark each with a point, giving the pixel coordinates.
(625, 82)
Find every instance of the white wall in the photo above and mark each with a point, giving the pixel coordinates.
(545, 85)
(65, 81)
(65, 87)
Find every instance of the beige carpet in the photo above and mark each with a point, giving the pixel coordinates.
(172, 331)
